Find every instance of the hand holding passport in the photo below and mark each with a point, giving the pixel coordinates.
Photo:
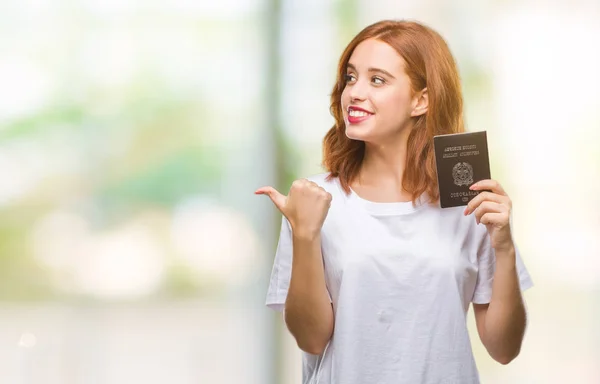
(461, 159)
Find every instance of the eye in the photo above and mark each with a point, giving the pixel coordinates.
(349, 77)
(378, 80)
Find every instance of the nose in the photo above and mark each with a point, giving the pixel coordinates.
(358, 90)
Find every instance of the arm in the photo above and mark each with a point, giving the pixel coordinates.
(308, 312)
(501, 323)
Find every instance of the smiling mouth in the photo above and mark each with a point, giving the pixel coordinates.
(356, 116)
(357, 113)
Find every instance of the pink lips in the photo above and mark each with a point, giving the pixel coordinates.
(357, 119)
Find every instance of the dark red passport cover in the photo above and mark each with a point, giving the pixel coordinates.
(461, 159)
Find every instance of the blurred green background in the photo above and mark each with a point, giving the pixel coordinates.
(133, 134)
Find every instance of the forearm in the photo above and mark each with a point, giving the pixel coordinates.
(308, 310)
(506, 319)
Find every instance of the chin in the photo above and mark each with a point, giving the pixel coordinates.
(356, 133)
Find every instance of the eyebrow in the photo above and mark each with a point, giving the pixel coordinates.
(383, 71)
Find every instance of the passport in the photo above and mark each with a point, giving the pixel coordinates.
(461, 160)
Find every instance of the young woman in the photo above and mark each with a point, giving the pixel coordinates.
(374, 278)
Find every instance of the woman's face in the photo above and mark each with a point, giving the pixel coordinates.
(377, 101)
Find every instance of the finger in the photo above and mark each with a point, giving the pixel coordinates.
(277, 198)
(315, 187)
(488, 184)
(495, 218)
(485, 196)
(488, 207)
(299, 185)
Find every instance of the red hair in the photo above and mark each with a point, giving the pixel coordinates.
(429, 63)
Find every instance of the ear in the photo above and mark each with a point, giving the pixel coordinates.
(420, 103)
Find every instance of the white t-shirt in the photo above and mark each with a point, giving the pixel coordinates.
(401, 279)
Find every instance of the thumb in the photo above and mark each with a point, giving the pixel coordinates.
(277, 198)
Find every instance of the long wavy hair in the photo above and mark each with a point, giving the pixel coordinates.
(429, 63)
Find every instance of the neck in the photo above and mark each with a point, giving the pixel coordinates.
(384, 163)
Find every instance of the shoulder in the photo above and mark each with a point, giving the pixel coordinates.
(326, 181)
(329, 183)
(321, 178)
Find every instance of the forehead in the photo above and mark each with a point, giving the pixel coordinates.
(373, 53)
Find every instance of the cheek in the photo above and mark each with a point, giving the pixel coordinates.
(402, 98)
(345, 98)
(345, 101)
(394, 105)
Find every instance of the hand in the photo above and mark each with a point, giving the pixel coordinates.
(305, 207)
(492, 209)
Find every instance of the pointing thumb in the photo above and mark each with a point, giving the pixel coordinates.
(277, 198)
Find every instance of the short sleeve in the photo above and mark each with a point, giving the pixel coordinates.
(282, 269)
(486, 260)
